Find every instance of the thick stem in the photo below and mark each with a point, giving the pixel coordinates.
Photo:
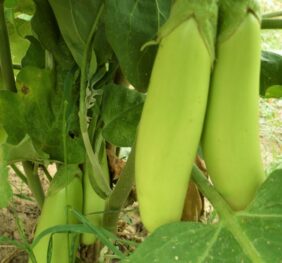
(5, 53)
(119, 194)
(98, 181)
(46, 172)
(17, 67)
(34, 182)
(228, 217)
(208, 190)
(269, 23)
(272, 14)
(19, 173)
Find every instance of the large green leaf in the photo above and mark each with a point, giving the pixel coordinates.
(35, 88)
(43, 106)
(11, 117)
(23, 151)
(271, 77)
(18, 29)
(274, 91)
(129, 25)
(122, 130)
(75, 20)
(35, 55)
(45, 26)
(260, 226)
(102, 48)
(47, 31)
(121, 112)
(20, 6)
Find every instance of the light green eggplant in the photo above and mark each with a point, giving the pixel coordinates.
(54, 212)
(230, 140)
(172, 119)
(94, 205)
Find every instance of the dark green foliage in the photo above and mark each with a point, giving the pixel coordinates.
(271, 77)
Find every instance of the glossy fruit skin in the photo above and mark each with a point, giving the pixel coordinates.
(230, 139)
(171, 124)
(54, 212)
(94, 205)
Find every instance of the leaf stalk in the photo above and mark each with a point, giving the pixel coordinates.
(228, 217)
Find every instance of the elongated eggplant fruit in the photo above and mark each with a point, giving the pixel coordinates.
(171, 122)
(54, 212)
(230, 139)
(94, 205)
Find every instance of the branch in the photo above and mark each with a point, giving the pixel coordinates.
(98, 181)
(272, 14)
(19, 173)
(228, 217)
(269, 23)
(34, 182)
(119, 194)
(5, 54)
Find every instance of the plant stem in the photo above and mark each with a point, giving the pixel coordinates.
(119, 194)
(269, 23)
(99, 182)
(19, 173)
(228, 217)
(272, 14)
(34, 182)
(17, 67)
(5, 53)
(45, 170)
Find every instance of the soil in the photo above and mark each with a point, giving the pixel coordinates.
(20, 210)
(19, 218)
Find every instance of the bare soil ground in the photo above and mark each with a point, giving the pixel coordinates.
(19, 219)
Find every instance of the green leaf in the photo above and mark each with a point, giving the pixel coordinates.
(196, 242)
(274, 91)
(20, 6)
(45, 26)
(118, 99)
(11, 120)
(8, 241)
(122, 130)
(101, 45)
(18, 17)
(75, 20)
(43, 99)
(35, 55)
(271, 68)
(3, 135)
(129, 25)
(23, 151)
(121, 112)
(101, 233)
(11, 3)
(35, 88)
(17, 33)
